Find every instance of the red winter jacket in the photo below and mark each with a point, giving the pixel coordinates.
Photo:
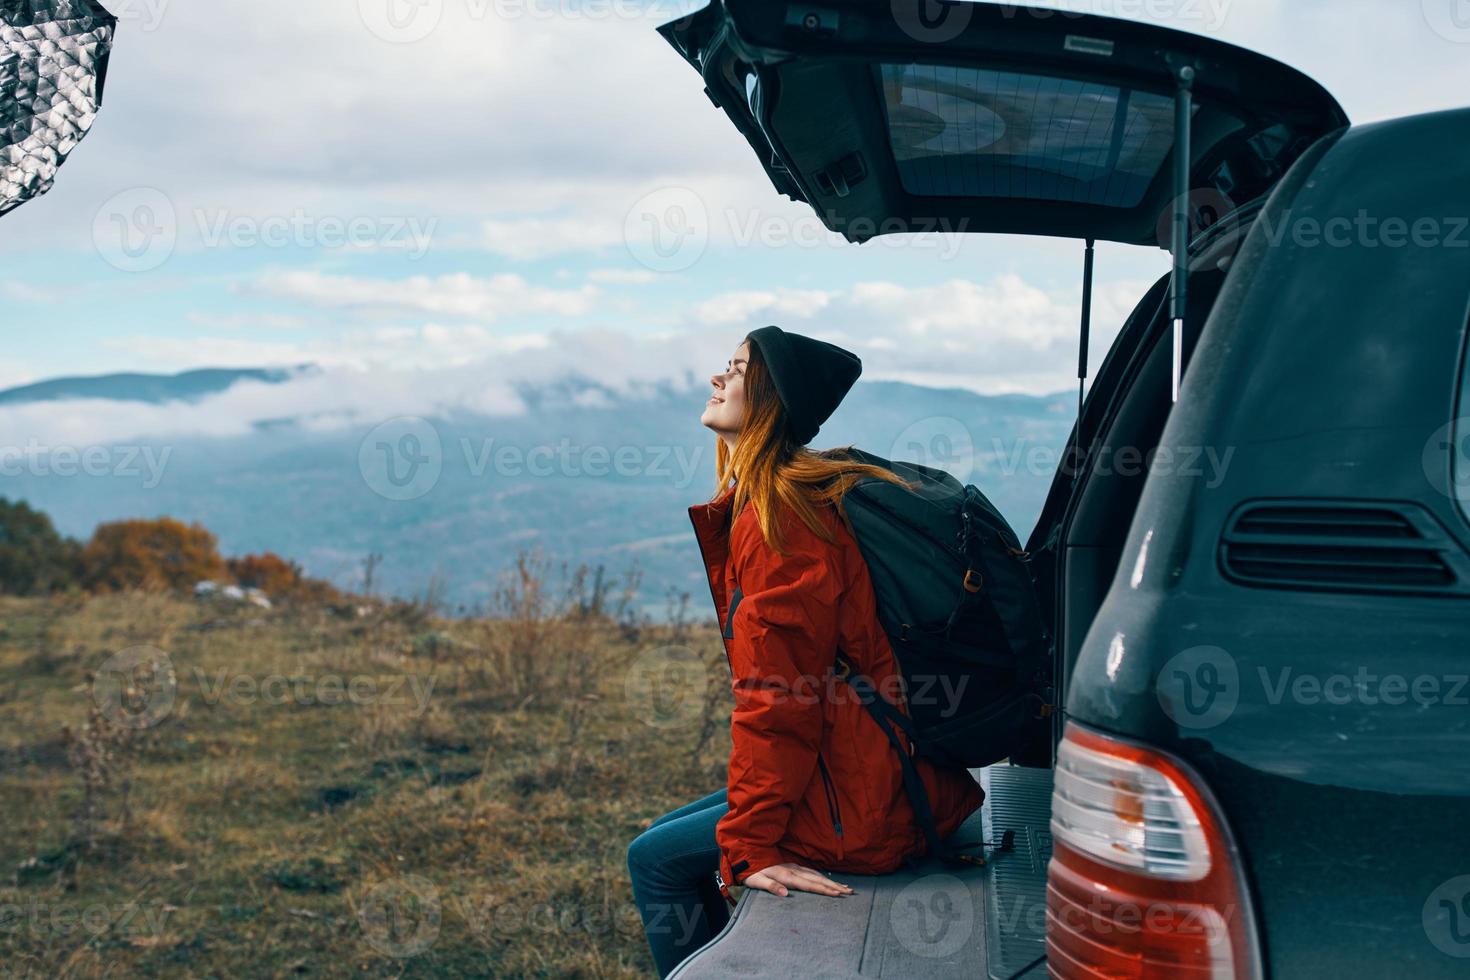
(813, 779)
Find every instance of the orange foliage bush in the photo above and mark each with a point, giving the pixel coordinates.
(150, 554)
(280, 579)
(268, 572)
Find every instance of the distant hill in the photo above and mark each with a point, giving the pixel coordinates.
(154, 389)
(585, 475)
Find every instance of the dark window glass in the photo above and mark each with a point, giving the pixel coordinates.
(971, 132)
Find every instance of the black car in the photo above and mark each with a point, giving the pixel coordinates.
(1256, 557)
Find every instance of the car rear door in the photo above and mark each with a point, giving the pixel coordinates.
(994, 117)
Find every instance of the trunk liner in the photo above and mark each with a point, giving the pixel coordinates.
(931, 921)
(1020, 800)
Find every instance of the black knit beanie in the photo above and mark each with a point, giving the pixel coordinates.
(811, 376)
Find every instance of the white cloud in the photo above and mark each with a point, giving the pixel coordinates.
(457, 294)
(498, 116)
(1001, 336)
(245, 321)
(14, 374)
(167, 354)
(435, 375)
(534, 238)
(748, 306)
(540, 122)
(24, 292)
(1004, 335)
(429, 346)
(623, 277)
(534, 131)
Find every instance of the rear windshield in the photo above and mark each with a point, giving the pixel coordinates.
(960, 132)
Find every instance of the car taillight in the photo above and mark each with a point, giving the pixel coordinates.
(1144, 880)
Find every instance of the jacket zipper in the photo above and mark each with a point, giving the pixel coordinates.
(833, 809)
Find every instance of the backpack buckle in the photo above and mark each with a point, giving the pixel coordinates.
(974, 581)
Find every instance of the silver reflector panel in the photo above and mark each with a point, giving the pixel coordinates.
(53, 59)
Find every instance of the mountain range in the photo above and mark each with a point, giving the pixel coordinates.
(585, 475)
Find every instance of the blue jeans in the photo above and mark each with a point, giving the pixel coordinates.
(672, 865)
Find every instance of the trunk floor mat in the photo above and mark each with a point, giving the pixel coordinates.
(932, 921)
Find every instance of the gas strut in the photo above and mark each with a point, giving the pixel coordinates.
(1086, 326)
(1179, 239)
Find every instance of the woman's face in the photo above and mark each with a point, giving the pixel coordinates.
(724, 413)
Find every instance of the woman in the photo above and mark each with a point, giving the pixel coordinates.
(813, 782)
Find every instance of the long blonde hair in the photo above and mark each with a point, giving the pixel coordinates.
(769, 468)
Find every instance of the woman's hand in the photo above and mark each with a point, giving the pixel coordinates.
(781, 879)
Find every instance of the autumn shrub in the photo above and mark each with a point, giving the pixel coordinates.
(267, 571)
(153, 555)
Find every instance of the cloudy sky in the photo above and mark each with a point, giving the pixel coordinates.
(424, 196)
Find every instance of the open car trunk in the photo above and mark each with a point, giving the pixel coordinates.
(979, 117)
(989, 118)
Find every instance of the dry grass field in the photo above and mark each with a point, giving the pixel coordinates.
(194, 789)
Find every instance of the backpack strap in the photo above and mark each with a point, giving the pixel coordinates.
(890, 719)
